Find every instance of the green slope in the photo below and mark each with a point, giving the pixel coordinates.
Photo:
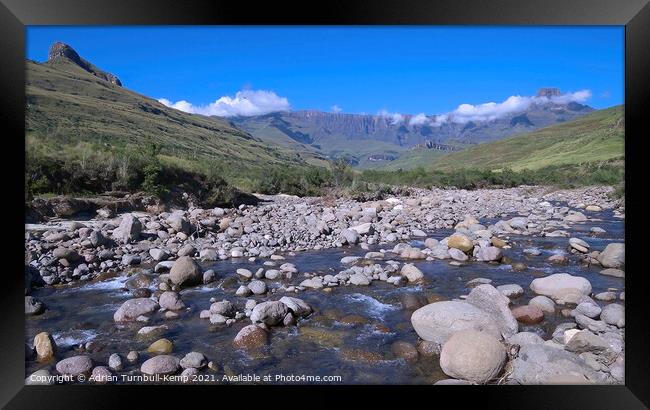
(71, 113)
(598, 136)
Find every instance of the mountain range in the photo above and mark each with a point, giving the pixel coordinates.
(74, 105)
(370, 141)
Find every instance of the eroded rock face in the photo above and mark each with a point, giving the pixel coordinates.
(59, 50)
(472, 355)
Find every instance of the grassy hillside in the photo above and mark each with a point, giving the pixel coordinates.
(78, 121)
(597, 137)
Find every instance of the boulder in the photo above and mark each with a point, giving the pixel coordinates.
(412, 273)
(224, 308)
(298, 306)
(457, 255)
(528, 314)
(613, 256)
(161, 364)
(179, 223)
(158, 254)
(161, 346)
(133, 308)
(257, 287)
(363, 229)
(488, 254)
(487, 298)
(472, 355)
(251, 337)
(613, 314)
(586, 341)
(461, 242)
(33, 306)
(617, 273)
(44, 346)
(129, 229)
(270, 313)
(542, 364)
(511, 290)
(544, 303)
(359, 279)
(193, 360)
(523, 338)
(171, 301)
(185, 271)
(437, 321)
(75, 365)
(350, 236)
(562, 287)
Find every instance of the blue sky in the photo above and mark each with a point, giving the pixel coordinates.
(412, 70)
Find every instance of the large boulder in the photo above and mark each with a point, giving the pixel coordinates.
(33, 306)
(613, 314)
(171, 301)
(129, 229)
(179, 223)
(613, 256)
(75, 365)
(251, 337)
(461, 242)
(490, 300)
(185, 271)
(44, 346)
(297, 306)
(271, 312)
(133, 308)
(528, 314)
(472, 355)
(562, 287)
(161, 364)
(412, 273)
(363, 229)
(350, 236)
(542, 364)
(437, 321)
(488, 254)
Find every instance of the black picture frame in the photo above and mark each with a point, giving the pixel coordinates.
(633, 14)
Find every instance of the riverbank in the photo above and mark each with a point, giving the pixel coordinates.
(369, 251)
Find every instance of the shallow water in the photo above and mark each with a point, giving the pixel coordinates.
(329, 342)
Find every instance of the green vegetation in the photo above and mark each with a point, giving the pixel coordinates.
(86, 136)
(569, 175)
(596, 137)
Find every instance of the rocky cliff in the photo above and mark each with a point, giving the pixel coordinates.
(62, 53)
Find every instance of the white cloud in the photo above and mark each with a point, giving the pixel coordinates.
(336, 109)
(244, 103)
(514, 104)
(395, 118)
(419, 119)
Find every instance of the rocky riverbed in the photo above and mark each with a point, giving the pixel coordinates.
(522, 285)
